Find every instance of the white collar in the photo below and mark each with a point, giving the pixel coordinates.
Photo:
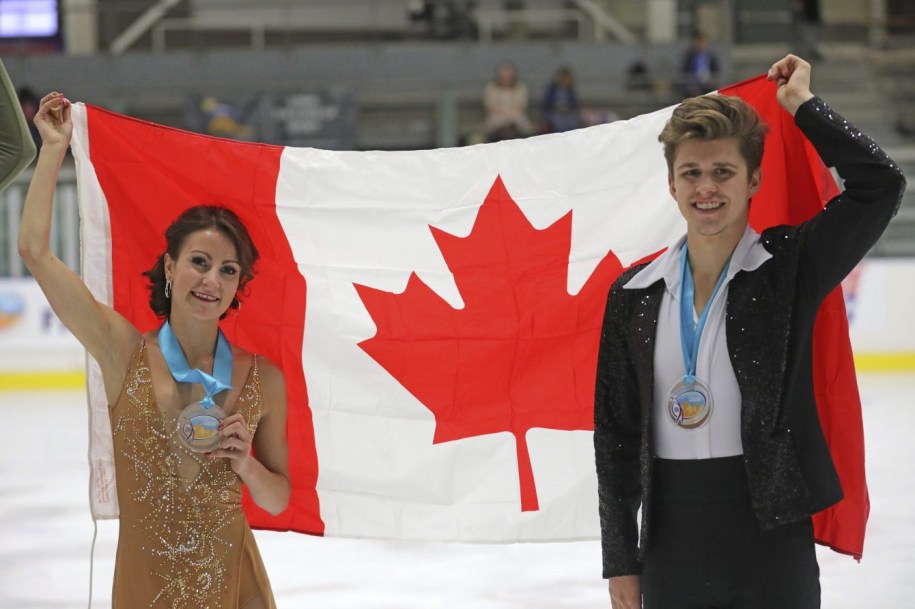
(749, 255)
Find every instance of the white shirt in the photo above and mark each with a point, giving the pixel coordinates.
(719, 436)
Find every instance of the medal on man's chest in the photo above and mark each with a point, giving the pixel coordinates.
(690, 404)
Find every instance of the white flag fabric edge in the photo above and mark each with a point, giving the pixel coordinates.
(95, 265)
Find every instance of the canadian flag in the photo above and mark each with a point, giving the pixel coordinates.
(436, 313)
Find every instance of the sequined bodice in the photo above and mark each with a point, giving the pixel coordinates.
(181, 515)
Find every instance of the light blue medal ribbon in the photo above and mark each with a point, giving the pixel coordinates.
(183, 373)
(690, 335)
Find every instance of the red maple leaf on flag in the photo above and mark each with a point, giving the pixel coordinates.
(521, 353)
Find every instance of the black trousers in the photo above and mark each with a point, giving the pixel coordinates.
(707, 550)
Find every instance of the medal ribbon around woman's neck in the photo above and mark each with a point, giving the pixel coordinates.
(198, 425)
(183, 373)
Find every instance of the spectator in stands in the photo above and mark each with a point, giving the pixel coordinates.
(505, 100)
(223, 119)
(806, 15)
(638, 77)
(699, 71)
(561, 110)
(16, 146)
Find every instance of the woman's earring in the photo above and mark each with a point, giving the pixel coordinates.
(168, 289)
(237, 303)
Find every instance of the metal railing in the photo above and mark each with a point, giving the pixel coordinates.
(260, 21)
(64, 238)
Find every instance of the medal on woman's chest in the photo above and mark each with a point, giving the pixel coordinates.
(690, 401)
(198, 426)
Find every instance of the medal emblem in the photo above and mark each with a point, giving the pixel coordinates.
(690, 404)
(198, 427)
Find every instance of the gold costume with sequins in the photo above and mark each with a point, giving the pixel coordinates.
(184, 541)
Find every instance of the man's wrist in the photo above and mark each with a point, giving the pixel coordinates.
(795, 101)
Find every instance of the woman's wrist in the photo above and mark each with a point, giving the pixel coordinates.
(57, 150)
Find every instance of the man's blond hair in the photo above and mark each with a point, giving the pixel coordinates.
(715, 117)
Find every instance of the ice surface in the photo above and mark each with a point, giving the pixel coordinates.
(46, 532)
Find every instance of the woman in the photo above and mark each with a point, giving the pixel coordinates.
(184, 540)
(505, 99)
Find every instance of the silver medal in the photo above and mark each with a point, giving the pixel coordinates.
(690, 404)
(198, 427)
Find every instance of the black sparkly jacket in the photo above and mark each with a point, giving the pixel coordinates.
(769, 324)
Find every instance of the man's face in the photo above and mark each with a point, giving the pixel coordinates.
(712, 187)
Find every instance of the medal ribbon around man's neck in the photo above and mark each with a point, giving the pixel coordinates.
(183, 373)
(690, 335)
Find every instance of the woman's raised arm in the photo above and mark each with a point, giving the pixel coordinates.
(108, 336)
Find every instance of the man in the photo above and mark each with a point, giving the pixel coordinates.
(718, 439)
(699, 69)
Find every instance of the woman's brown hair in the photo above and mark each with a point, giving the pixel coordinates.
(190, 221)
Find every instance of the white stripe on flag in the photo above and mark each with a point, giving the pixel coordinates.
(95, 263)
(363, 218)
